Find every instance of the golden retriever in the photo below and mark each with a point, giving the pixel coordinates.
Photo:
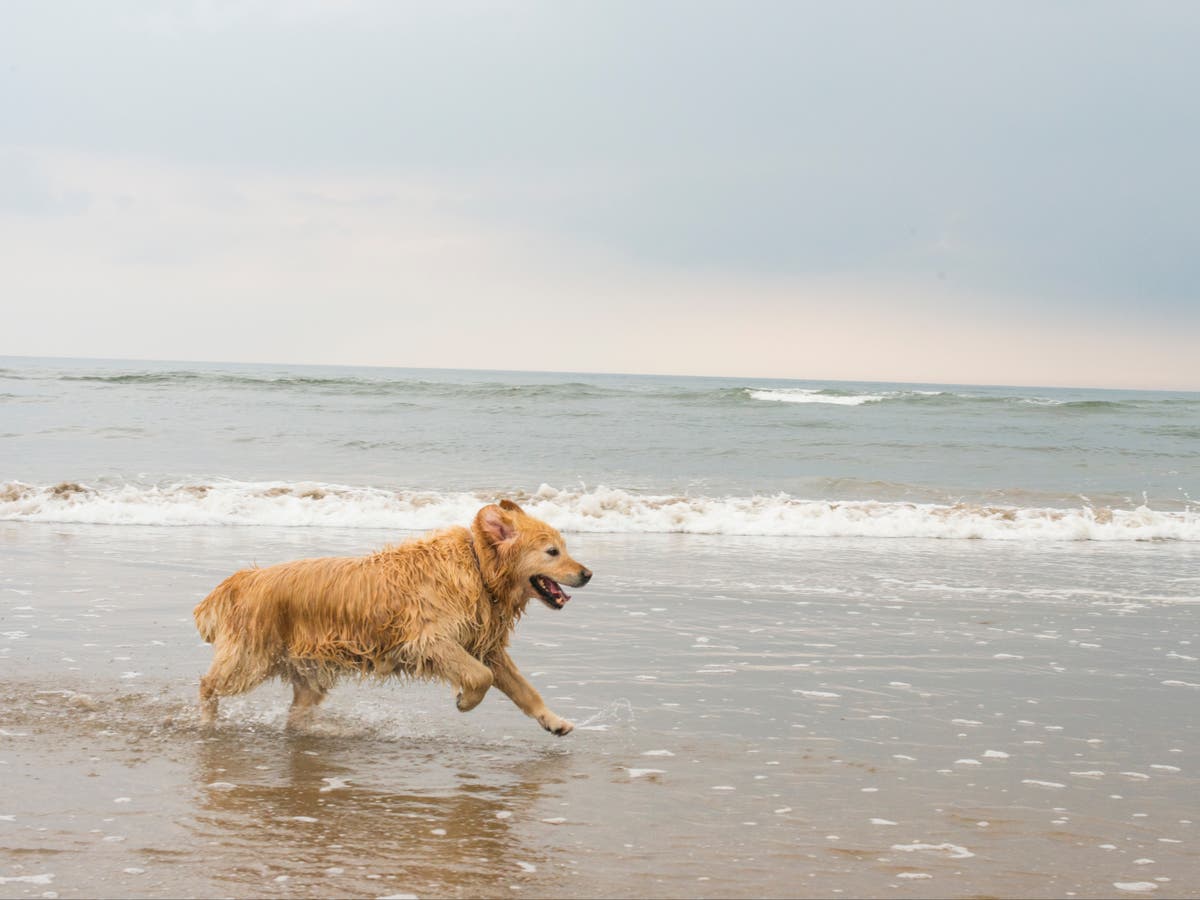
(438, 607)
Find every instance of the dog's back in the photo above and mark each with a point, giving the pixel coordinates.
(371, 605)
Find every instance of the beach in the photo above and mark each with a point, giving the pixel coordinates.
(781, 686)
(902, 719)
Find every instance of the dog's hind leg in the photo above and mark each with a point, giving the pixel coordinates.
(450, 662)
(234, 670)
(208, 701)
(307, 695)
(510, 680)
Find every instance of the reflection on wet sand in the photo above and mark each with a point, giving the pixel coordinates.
(259, 810)
(298, 809)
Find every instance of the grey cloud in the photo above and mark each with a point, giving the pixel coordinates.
(1035, 149)
(26, 189)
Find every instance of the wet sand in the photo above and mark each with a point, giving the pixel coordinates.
(755, 717)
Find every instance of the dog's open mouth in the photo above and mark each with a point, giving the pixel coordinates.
(550, 591)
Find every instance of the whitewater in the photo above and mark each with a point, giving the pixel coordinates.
(600, 510)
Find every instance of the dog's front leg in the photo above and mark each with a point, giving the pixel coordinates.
(472, 678)
(510, 680)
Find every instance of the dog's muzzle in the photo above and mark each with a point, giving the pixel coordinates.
(551, 592)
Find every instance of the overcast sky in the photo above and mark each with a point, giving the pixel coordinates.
(986, 192)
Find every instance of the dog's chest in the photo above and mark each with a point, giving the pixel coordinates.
(488, 632)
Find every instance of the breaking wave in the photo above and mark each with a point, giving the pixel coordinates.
(948, 398)
(316, 504)
(836, 398)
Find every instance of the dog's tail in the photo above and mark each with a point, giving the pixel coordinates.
(218, 605)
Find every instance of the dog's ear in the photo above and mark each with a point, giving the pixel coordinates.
(511, 507)
(497, 524)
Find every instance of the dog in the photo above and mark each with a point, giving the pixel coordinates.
(440, 607)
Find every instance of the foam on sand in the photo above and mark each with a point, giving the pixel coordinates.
(950, 851)
(44, 878)
(642, 773)
(317, 504)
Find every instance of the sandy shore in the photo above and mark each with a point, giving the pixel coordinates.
(757, 717)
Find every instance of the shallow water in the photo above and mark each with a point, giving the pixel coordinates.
(755, 717)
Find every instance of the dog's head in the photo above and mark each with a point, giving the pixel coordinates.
(529, 554)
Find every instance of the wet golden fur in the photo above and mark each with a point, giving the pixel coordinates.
(440, 607)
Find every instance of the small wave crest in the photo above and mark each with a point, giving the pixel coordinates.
(956, 399)
(813, 395)
(840, 397)
(316, 504)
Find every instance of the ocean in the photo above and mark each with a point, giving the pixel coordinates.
(852, 639)
(190, 444)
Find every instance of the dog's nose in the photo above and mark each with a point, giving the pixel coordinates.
(585, 575)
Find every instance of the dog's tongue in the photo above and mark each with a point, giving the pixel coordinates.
(550, 591)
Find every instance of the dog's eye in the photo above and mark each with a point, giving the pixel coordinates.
(553, 551)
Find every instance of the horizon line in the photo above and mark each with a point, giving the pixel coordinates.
(225, 362)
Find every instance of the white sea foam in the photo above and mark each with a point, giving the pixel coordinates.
(951, 851)
(45, 878)
(642, 773)
(838, 397)
(317, 504)
(812, 395)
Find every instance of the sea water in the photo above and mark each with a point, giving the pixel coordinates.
(188, 444)
(860, 640)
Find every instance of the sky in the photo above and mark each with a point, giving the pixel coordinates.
(987, 192)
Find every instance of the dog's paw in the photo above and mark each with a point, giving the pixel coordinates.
(555, 725)
(467, 704)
